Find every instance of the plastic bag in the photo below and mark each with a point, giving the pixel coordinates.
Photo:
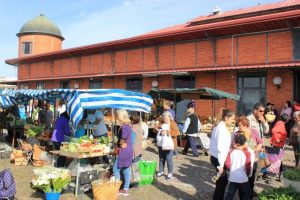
(159, 139)
(46, 158)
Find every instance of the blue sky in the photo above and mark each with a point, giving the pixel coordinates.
(84, 22)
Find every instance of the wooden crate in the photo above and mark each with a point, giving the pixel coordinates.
(96, 151)
(21, 161)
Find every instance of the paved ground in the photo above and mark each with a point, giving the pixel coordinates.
(192, 180)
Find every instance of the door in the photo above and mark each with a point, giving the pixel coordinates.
(252, 90)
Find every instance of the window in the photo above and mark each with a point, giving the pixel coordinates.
(96, 83)
(27, 48)
(252, 90)
(296, 38)
(184, 82)
(24, 86)
(40, 85)
(134, 84)
(65, 84)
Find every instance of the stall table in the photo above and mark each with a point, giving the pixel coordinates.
(77, 157)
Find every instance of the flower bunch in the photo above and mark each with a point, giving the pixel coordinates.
(51, 181)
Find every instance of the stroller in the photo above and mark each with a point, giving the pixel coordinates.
(270, 164)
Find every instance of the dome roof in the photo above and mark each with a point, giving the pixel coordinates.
(40, 24)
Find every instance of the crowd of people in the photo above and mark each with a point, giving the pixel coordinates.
(235, 154)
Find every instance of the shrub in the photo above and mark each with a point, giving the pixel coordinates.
(292, 174)
(279, 194)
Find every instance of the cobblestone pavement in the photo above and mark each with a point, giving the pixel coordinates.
(192, 180)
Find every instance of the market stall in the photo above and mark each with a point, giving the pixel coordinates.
(77, 102)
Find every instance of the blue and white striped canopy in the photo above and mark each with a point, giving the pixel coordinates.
(14, 97)
(80, 100)
(107, 98)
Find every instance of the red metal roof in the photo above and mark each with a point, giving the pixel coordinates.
(163, 72)
(243, 11)
(263, 22)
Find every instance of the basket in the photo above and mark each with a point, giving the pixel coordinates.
(106, 190)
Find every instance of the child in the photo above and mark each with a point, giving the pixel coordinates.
(239, 161)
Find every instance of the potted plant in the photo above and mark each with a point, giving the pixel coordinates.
(291, 178)
(51, 182)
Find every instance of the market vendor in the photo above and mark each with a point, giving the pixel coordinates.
(61, 130)
(96, 117)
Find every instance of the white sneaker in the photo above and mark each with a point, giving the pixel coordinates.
(159, 174)
(170, 176)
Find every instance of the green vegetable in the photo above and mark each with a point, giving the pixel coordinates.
(72, 147)
(103, 140)
(279, 194)
(292, 174)
(35, 130)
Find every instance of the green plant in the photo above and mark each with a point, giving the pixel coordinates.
(51, 181)
(279, 194)
(292, 174)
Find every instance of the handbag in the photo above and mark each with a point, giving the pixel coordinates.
(167, 142)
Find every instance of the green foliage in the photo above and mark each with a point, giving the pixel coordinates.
(279, 194)
(60, 183)
(103, 140)
(45, 188)
(292, 174)
(35, 130)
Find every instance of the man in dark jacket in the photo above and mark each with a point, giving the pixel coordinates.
(191, 126)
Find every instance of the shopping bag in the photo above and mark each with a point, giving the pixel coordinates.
(135, 172)
(147, 172)
(159, 138)
(167, 142)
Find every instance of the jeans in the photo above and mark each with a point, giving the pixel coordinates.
(126, 172)
(221, 182)
(191, 142)
(163, 157)
(244, 191)
(61, 160)
(252, 180)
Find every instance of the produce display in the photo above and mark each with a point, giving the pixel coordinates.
(34, 130)
(85, 145)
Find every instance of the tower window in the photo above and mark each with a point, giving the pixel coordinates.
(27, 48)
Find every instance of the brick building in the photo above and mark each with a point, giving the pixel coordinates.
(242, 51)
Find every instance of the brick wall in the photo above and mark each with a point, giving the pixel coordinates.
(242, 50)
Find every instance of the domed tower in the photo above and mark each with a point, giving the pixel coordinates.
(39, 35)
